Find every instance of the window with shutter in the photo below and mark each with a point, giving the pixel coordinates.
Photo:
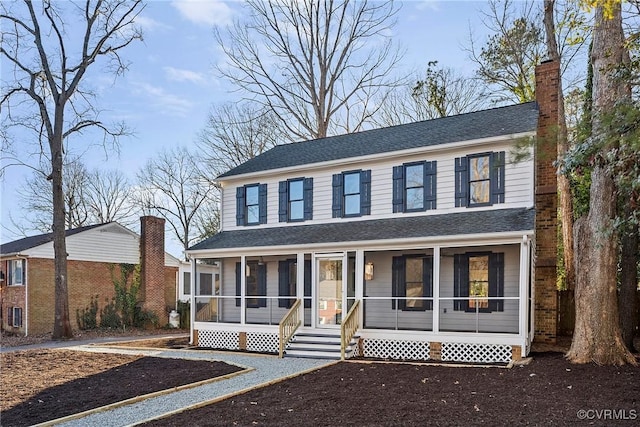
(251, 204)
(480, 179)
(414, 187)
(412, 276)
(352, 194)
(479, 276)
(16, 272)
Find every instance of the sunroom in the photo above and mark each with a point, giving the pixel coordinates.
(413, 288)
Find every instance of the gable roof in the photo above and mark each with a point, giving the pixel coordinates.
(463, 127)
(450, 224)
(25, 243)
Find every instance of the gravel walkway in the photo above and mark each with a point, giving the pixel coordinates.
(266, 369)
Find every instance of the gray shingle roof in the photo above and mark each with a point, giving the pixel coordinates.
(32, 241)
(463, 223)
(463, 127)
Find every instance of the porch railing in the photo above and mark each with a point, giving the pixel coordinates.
(208, 312)
(288, 325)
(349, 327)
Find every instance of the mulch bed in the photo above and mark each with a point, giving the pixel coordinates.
(42, 385)
(549, 391)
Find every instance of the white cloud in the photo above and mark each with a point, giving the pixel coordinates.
(428, 5)
(169, 103)
(205, 12)
(180, 75)
(150, 24)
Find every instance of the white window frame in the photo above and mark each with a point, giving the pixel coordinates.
(11, 279)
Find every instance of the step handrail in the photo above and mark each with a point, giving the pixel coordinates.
(288, 326)
(349, 327)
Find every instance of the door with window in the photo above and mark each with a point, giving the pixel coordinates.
(329, 291)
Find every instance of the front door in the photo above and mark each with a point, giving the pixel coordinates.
(329, 292)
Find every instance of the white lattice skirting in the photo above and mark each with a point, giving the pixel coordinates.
(263, 343)
(399, 350)
(475, 353)
(219, 339)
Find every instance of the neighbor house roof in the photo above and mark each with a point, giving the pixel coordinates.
(494, 122)
(425, 226)
(23, 244)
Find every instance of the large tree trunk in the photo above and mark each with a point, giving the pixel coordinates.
(627, 298)
(597, 336)
(61, 324)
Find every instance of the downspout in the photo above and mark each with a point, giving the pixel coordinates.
(26, 298)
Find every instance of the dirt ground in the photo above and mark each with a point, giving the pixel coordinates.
(41, 385)
(548, 391)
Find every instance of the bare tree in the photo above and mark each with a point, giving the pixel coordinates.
(440, 92)
(597, 335)
(173, 186)
(236, 133)
(109, 197)
(44, 93)
(318, 65)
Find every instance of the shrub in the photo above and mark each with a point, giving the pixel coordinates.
(87, 318)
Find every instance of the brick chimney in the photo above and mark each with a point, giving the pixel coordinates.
(546, 202)
(152, 265)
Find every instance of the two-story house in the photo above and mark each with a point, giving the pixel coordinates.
(407, 242)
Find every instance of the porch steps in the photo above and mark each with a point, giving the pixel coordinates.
(317, 345)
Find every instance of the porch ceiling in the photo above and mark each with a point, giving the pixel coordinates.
(425, 226)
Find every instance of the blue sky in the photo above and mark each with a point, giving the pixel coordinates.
(171, 83)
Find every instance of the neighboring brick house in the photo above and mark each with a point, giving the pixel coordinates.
(428, 240)
(95, 252)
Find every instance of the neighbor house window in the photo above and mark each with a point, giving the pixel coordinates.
(478, 277)
(16, 272)
(479, 179)
(295, 200)
(414, 187)
(412, 277)
(186, 283)
(352, 194)
(256, 284)
(251, 204)
(15, 317)
(288, 282)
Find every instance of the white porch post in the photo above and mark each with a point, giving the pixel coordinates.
(300, 283)
(359, 291)
(524, 289)
(192, 311)
(436, 289)
(243, 291)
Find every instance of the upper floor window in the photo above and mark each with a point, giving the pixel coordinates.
(414, 187)
(295, 200)
(412, 277)
(478, 277)
(251, 204)
(480, 179)
(352, 193)
(16, 272)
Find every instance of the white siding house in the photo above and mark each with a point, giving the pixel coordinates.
(408, 242)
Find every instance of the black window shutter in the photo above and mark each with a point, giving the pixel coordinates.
(398, 189)
(240, 205)
(24, 274)
(430, 186)
(427, 281)
(262, 284)
(283, 201)
(497, 177)
(460, 281)
(17, 320)
(398, 285)
(10, 316)
(9, 271)
(462, 181)
(262, 200)
(307, 283)
(238, 282)
(308, 198)
(496, 281)
(338, 181)
(365, 192)
(283, 284)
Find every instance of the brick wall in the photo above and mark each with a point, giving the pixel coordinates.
(10, 296)
(546, 201)
(152, 274)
